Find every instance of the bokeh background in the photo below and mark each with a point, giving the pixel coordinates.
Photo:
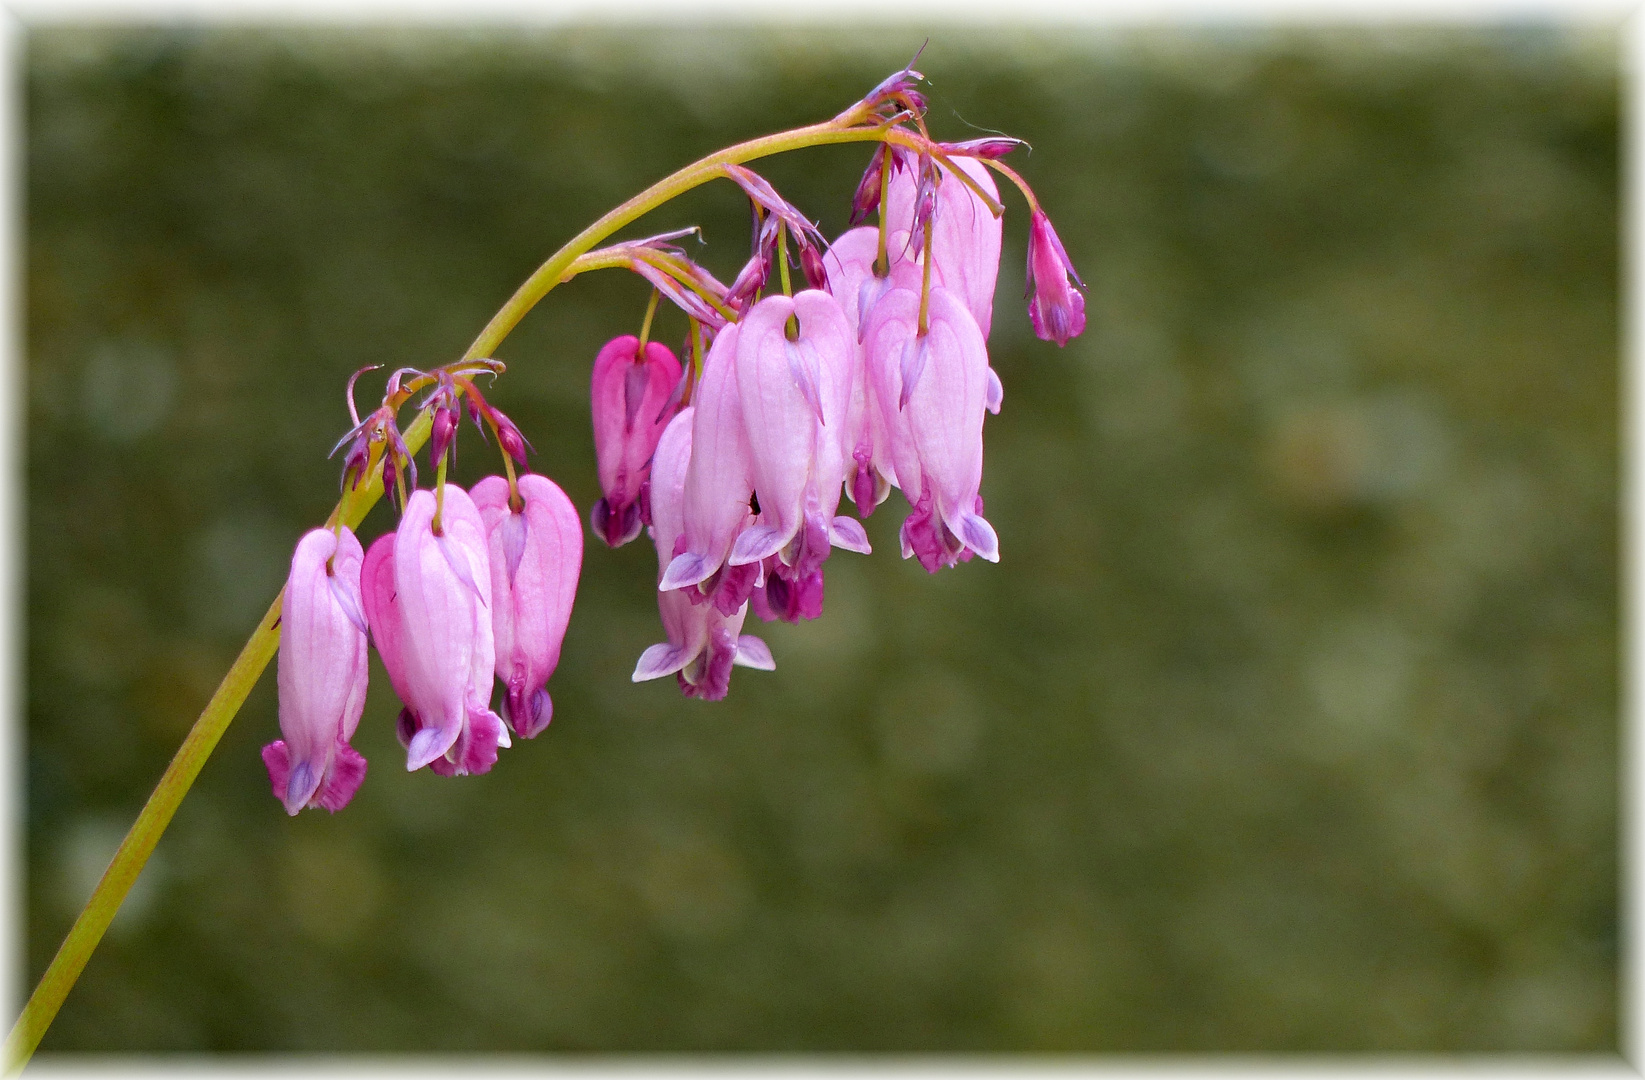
(1288, 722)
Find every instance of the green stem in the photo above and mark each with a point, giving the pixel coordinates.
(139, 843)
(156, 814)
(696, 174)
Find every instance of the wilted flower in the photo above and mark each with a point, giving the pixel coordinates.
(321, 675)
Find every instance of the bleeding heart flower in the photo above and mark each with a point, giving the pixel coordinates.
(631, 406)
(428, 602)
(321, 675)
(536, 555)
(703, 642)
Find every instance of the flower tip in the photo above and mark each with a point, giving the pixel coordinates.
(427, 745)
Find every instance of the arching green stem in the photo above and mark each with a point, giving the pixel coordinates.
(134, 851)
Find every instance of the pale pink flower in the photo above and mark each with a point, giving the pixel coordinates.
(717, 488)
(428, 602)
(945, 399)
(631, 406)
(965, 234)
(794, 396)
(321, 674)
(536, 556)
(703, 642)
(852, 281)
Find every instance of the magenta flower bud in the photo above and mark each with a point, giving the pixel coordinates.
(867, 196)
(321, 675)
(536, 555)
(509, 438)
(811, 261)
(428, 602)
(794, 396)
(992, 147)
(717, 486)
(441, 431)
(630, 398)
(1056, 309)
(703, 642)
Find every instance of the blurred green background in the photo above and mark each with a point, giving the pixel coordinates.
(1288, 722)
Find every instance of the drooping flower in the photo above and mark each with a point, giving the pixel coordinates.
(536, 555)
(428, 602)
(321, 674)
(717, 488)
(965, 234)
(931, 391)
(891, 358)
(853, 282)
(794, 395)
(1056, 309)
(945, 399)
(630, 396)
(703, 642)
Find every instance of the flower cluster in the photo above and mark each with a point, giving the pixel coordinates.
(873, 375)
(876, 376)
(472, 587)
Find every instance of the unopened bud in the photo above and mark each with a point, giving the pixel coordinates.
(510, 439)
(440, 435)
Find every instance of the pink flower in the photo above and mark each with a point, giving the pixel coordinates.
(931, 391)
(946, 397)
(428, 602)
(536, 555)
(631, 408)
(717, 488)
(965, 234)
(853, 283)
(1056, 309)
(794, 396)
(321, 675)
(703, 642)
(891, 356)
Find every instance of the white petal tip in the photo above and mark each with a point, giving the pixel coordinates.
(849, 534)
(754, 653)
(657, 661)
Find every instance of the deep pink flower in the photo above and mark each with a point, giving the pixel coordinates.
(536, 556)
(428, 601)
(703, 642)
(794, 396)
(717, 488)
(1056, 309)
(631, 407)
(965, 235)
(321, 675)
